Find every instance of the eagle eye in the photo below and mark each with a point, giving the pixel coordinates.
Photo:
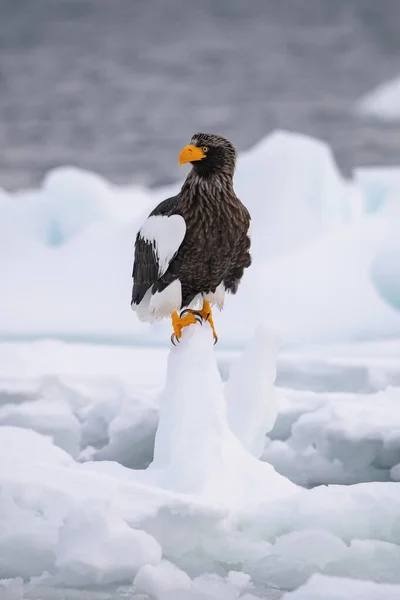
(205, 149)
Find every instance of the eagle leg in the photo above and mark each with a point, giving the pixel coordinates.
(206, 315)
(179, 322)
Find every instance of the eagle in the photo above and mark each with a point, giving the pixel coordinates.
(194, 246)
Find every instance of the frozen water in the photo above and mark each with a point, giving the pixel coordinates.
(91, 495)
(166, 528)
(214, 465)
(121, 516)
(159, 580)
(336, 438)
(255, 387)
(96, 546)
(333, 588)
(297, 203)
(101, 404)
(385, 269)
(324, 266)
(130, 432)
(49, 417)
(383, 102)
(380, 187)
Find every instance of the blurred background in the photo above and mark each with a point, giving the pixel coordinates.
(118, 86)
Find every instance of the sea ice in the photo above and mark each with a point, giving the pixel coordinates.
(162, 578)
(205, 507)
(336, 438)
(321, 587)
(121, 516)
(51, 417)
(249, 392)
(197, 427)
(382, 102)
(97, 547)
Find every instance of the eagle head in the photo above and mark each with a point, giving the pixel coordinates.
(209, 154)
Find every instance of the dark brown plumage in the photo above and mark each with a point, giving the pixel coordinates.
(215, 248)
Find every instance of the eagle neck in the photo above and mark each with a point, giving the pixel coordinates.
(208, 190)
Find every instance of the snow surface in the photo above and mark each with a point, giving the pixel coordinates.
(336, 437)
(102, 403)
(206, 520)
(382, 102)
(321, 587)
(325, 267)
(98, 522)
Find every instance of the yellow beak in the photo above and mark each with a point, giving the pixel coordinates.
(189, 154)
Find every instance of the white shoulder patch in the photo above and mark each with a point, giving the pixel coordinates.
(167, 234)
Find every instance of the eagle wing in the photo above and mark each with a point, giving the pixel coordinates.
(157, 244)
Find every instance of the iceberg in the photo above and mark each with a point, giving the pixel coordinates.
(294, 192)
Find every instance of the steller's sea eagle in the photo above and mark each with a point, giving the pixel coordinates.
(194, 246)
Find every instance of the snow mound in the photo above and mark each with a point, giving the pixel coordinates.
(122, 431)
(97, 547)
(320, 254)
(383, 102)
(50, 417)
(297, 203)
(336, 438)
(219, 465)
(161, 579)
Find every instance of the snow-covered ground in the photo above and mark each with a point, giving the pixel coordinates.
(235, 472)
(206, 505)
(336, 418)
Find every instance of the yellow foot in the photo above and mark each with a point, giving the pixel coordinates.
(179, 322)
(205, 314)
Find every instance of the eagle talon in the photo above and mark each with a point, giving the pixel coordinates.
(181, 321)
(206, 315)
(174, 338)
(196, 313)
